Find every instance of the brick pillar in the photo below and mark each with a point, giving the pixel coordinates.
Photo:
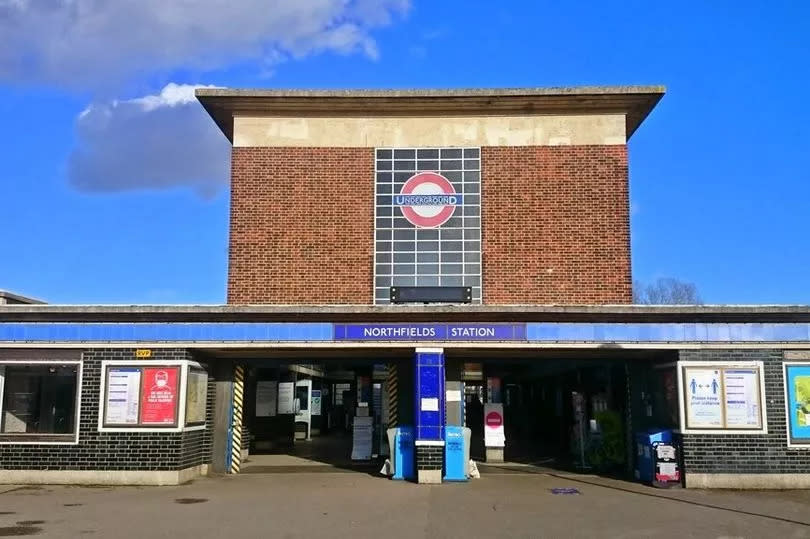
(429, 414)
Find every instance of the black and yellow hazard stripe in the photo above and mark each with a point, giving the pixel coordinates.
(392, 387)
(236, 422)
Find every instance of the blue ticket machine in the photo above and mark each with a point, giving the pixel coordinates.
(404, 460)
(456, 453)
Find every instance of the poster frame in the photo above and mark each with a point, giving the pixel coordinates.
(722, 366)
(179, 424)
(802, 444)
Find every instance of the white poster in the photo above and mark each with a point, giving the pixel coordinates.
(743, 408)
(196, 396)
(704, 393)
(286, 396)
(123, 390)
(266, 398)
(430, 405)
(493, 425)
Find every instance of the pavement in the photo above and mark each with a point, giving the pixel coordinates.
(357, 505)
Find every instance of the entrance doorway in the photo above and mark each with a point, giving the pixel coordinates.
(319, 411)
(564, 409)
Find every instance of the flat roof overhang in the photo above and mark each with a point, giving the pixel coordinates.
(635, 102)
(408, 313)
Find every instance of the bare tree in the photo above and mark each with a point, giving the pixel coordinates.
(666, 291)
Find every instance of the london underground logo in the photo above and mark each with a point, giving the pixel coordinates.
(427, 199)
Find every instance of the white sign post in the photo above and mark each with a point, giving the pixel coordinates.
(493, 425)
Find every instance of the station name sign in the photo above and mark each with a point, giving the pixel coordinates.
(430, 332)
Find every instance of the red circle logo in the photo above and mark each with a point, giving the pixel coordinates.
(494, 419)
(427, 199)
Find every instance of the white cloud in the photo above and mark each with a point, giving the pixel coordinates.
(100, 43)
(151, 142)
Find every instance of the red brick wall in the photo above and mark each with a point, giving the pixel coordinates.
(301, 225)
(555, 225)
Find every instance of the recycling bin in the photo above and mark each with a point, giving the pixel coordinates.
(657, 458)
(456, 453)
(403, 459)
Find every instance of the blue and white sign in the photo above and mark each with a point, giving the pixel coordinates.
(430, 332)
(704, 398)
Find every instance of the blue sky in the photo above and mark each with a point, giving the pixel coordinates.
(110, 196)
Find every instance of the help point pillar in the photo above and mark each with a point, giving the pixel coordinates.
(429, 414)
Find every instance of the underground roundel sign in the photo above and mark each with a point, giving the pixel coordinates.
(427, 200)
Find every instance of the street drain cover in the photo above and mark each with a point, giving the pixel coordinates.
(564, 490)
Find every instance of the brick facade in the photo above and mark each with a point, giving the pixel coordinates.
(747, 453)
(301, 226)
(105, 451)
(556, 225)
(429, 457)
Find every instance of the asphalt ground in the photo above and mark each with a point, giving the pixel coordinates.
(358, 505)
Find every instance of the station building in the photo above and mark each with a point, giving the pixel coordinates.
(412, 258)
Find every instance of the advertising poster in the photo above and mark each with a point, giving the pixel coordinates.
(742, 398)
(286, 397)
(797, 379)
(123, 385)
(196, 393)
(266, 398)
(159, 396)
(704, 397)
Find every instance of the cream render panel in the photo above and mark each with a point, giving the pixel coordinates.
(447, 131)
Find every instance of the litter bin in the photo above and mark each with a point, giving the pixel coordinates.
(456, 453)
(400, 441)
(657, 458)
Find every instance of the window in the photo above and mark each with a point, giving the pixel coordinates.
(445, 255)
(39, 402)
(152, 396)
(721, 398)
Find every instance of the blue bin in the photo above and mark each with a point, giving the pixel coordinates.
(402, 451)
(456, 453)
(645, 454)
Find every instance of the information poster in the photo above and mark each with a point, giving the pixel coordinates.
(742, 398)
(797, 380)
(159, 396)
(123, 386)
(704, 397)
(266, 395)
(196, 395)
(316, 402)
(286, 396)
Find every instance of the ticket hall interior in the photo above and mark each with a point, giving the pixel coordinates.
(562, 409)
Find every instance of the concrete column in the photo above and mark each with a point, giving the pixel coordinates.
(429, 414)
(454, 393)
(223, 376)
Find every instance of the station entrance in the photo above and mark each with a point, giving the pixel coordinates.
(329, 410)
(566, 409)
(315, 411)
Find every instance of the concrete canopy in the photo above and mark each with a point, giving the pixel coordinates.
(635, 102)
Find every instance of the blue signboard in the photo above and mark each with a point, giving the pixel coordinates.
(430, 332)
(797, 378)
